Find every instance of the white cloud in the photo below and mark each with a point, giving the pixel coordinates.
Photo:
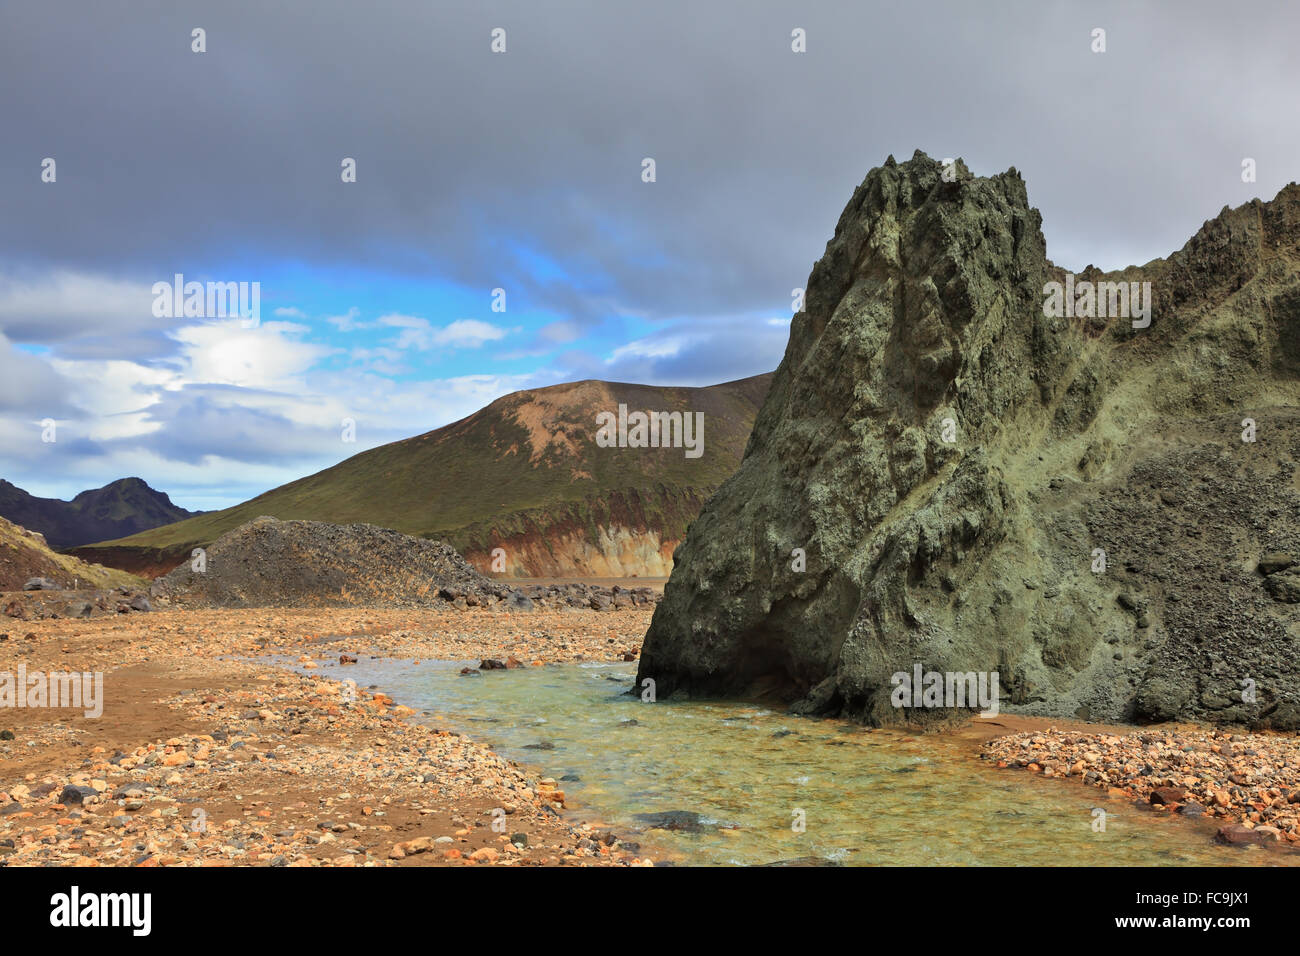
(114, 395)
(347, 322)
(398, 321)
(559, 332)
(468, 333)
(702, 352)
(419, 333)
(233, 412)
(380, 360)
(265, 356)
(664, 347)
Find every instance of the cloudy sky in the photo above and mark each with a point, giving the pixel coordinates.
(522, 171)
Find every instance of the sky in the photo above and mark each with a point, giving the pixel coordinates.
(524, 171)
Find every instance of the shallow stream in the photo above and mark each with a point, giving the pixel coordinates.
(736, 774)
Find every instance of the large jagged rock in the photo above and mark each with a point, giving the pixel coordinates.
(1069, 435)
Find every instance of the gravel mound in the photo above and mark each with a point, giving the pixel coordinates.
(273, 563)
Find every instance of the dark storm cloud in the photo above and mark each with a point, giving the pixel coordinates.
(471, 164)
(29, 386)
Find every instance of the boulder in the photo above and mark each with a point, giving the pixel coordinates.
(519, 602)
(1237, 834)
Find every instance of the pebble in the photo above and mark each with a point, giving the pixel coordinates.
(1250, 781)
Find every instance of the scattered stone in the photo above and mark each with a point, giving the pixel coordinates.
(686, 821)
(1274, 561)
(1235, 778)
(1237, 834)
(518, 602)
(74, 796)
(1168, 795)
(355, 764)
(1284, 587)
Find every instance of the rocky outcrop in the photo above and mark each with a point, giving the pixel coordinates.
(25, 556)
(55, 603)
(946, 474)
(617, 551)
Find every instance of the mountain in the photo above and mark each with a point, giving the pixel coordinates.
(524, 474)
(120, 508)
(1103, 510)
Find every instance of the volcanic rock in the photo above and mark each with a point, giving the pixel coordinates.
(936, 443)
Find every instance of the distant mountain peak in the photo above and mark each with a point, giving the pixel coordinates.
(121, 507)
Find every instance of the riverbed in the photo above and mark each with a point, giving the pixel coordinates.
(726, 783)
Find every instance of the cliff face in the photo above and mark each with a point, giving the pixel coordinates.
(955, 463)
(624, 533)
(615, 552)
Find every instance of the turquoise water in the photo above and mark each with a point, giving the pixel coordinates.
(744, 771)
